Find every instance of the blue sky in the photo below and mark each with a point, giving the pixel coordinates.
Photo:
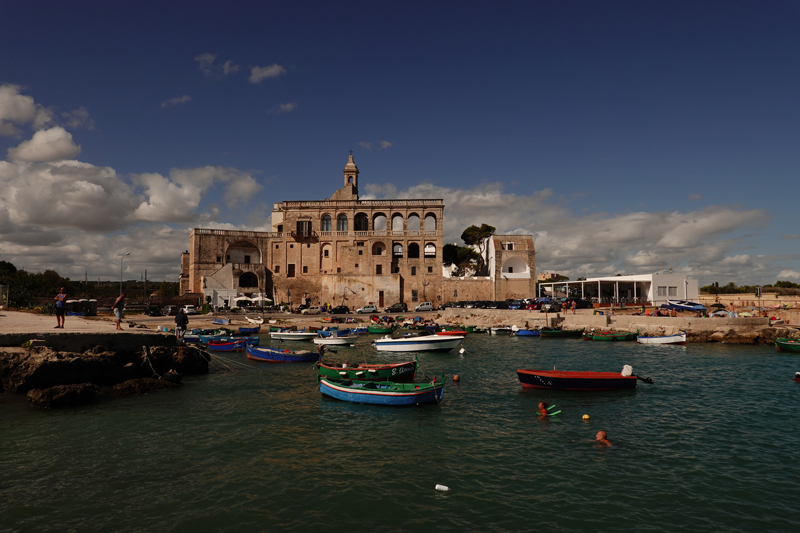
(627, 137)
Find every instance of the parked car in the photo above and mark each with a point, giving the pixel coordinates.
(517, 304)
(424, 306)
(400, 307)
(153, 310)
(170, 310)
(313, 310)
(367, 309)
(189, 310)
(340, 310)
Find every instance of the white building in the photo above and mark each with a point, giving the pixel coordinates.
(653, 288)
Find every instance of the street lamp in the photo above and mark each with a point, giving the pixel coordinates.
(120, 271)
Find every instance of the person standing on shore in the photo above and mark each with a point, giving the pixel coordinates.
(181, 321)
(119, 309)
(574, 306)
(61, 308)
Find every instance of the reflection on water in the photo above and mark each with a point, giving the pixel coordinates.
(709, 446)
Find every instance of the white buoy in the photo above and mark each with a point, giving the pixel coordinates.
(462, 350)
(443, 488)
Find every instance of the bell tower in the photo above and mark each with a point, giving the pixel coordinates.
(351, 173)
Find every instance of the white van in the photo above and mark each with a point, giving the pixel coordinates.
(424, 306)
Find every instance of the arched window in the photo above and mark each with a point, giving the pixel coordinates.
(397, 250)
(430, 250)
(413, 222)
(378, 222)
(377, 248)
(413, 251)
(341, 222)
(361, 222)
(397, 222)
(430, 222)
(326, 223)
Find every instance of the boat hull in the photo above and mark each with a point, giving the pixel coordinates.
(787, 345)
(226, 346)
(430, 343)
(270, 355)
(668, 339)
(379, 329)
(250, 331)
(383, 393)
(293, 335)
(398, 372)
(569, 333)
(560, 380)
(205, 339)
(528, 333)
(336, 341)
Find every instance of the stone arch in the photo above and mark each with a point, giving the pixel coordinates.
(341, 222)
(514, 266)
(325, 223)
(413, 250)
(430, 250)
(397, 222)
(243, 251)
(248, 279)
(430, 222)
(379, 222)
(378, 248)
(361, 222)
(397, 250)
(413, 222)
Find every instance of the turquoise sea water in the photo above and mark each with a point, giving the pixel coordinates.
(711, 446)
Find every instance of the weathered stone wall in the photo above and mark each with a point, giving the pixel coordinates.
(466, 289)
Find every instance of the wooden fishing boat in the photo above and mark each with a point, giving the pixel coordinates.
(250, 331)
(379, 328)
(418, 343)
(287, 335)
(565, 380)
(270, 355)
(326, 338)
(787, 345)
(367, 372)
(611, 336)
(501, 330)
(680, 338)
(527, 332)
(450, 332)
(252, 340)
(558, 332)
(382, 392)
(221, 346)
(258, 320)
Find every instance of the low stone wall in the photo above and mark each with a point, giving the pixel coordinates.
(81, 342)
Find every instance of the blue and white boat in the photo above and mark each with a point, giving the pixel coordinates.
(418, 343)
(271, 355)
(291, 335)
(683, 305)
(252, 340)
(382, 392)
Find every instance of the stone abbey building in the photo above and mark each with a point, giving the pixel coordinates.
(344, 250)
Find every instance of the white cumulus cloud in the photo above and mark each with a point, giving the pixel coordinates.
(176, 101)
(18, 109)
(53, 144)
(257, 74)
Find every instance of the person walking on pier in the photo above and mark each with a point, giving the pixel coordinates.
(61, 308)
(181, 321)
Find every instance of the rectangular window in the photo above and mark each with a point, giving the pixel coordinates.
(308, 245)
(325, 252)
(280, 228)
(356, 265)
(378, 269)
(305, 269)
(510, 270)
(228, 258)
(414, 297)
(361, 252)
(338, 270)
(290, 270)
(509, 246)
(662, 291)
(277, 246)
(455, 293)
(430, 270)
(360, 243)
(247, 260)
(413, 271)
(673, 291)
(277, 269)
(219, 259)
(304, 227)
(291, 246)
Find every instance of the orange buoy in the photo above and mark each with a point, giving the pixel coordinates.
(455, 377)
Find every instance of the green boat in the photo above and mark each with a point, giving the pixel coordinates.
(379, 328)
(470, 329)
(557, 332)
(787, 345)
(610, 336)
(381, 372)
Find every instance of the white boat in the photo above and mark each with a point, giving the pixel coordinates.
(501, 330)
(346, 340)
(293, 335)
(418, 343)
(255, 320)
(680, 338)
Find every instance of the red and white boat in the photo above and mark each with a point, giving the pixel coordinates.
(566, 380)
(680, 338)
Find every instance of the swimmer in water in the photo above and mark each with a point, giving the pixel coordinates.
(543, 409)
(601, 438)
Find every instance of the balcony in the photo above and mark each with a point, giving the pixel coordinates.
(305, 235)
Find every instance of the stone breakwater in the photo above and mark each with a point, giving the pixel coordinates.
(740, 330)
(88, 368)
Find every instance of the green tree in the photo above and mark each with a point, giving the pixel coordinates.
(479, 238)
(463, 257)
(169, 288)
